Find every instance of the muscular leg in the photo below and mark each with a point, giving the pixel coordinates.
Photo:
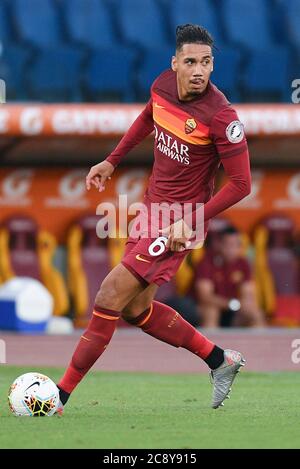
(116, 291)
(165, 324)
(121, 291)
(140, 303)
(118, 288)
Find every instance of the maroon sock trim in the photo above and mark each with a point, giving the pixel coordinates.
(109, 312)
(140, 318)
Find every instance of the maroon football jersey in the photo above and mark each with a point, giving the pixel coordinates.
(191, 138)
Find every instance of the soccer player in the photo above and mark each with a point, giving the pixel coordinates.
(196, 130)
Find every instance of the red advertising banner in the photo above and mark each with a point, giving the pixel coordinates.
(113, 120)
(272, 191)
(57, 197)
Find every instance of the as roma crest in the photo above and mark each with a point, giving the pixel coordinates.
(190, 125)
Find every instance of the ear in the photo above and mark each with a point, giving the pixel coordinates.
(174, 64)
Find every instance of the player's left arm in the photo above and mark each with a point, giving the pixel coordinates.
(227, 133)
(237, 168)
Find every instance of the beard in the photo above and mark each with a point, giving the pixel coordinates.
(195, 92)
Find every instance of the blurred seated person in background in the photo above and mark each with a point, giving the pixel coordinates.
(224, 288)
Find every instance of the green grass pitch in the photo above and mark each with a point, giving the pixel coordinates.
(143, 410)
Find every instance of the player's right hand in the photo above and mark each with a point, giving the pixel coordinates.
(178, 235)
(98, 175)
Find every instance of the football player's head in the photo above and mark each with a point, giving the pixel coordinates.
(193, 61)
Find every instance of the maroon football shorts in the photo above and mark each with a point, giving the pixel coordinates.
(149, 260)
(151, 268)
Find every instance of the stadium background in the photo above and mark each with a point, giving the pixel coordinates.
(77, 73)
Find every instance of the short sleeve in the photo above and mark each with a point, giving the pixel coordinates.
(227, 133)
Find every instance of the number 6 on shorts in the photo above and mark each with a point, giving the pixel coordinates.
(159, 243)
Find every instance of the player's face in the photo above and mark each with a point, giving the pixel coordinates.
(231, 247)
(193, 64)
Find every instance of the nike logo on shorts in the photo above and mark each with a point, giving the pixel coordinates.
(139, 258)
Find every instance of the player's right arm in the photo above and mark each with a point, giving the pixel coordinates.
(139, 130)
(98, 175)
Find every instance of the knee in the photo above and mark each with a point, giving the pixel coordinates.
(107, 294)
(132, 311)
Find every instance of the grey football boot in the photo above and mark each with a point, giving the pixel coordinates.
(223, 376)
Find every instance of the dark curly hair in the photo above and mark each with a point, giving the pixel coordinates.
(192, 33)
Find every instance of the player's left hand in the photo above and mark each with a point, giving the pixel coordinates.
(178, 236)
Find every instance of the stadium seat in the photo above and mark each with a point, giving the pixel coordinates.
(266, 75)
(89, 260)
(152, 64)
(194, 11)
(38, 22)
(141, 23)
(2, 277)
(109, 75)
(27, 251)
(88, 22)
(14, 61)
(13, 58)
(55, 75)
(277, 269)
(5, 29)
(109, 69)
(291, 15)
(227, 71)
(247, 24)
